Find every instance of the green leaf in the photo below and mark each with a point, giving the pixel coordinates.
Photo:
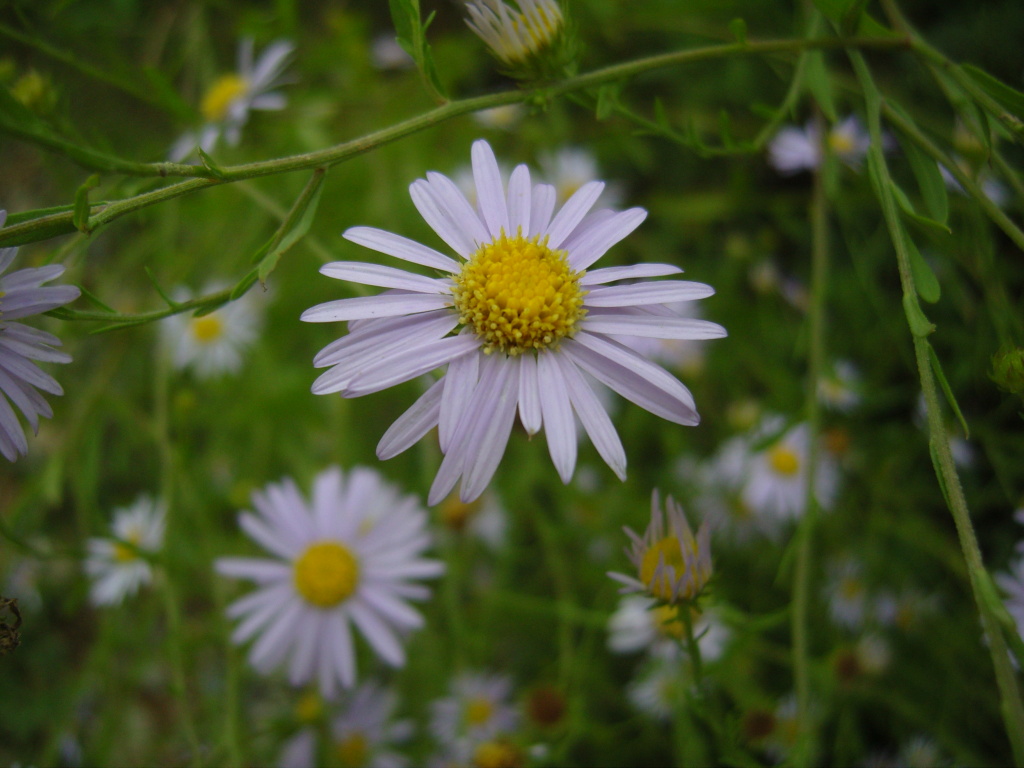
(80, 217)
(738, 27)
(294, 226)
(910, 213)
(607, 99)
(990, 596)
(405, 15)
(1010, 98)
(920, 326)
(819, 83)
(868, 26)
(925, 281)
(929, 181)
(210, 164)
(947, 390)
(845, 14)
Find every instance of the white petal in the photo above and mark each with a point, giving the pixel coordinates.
(661, 292)
(378, 334)
(559, 426)
(610, 274)
(383, 277)
(654, 327)
(529, 395)
(377, 633)
(457, 209)
(541, 208)
(590, 243)
(385, 305)
(339, 653)
(401, 248)
(413, 424)
(452, 232)
(519, 201)
(594, 418)
(490, 434)
(572, 212)
(419, 361)
(461, 379)
(490, 191)
(391, 608)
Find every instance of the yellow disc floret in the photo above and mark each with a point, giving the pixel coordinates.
(517, 294)
(326, 574)
(221, 96)
(783, 460)
(478, 711)
(353, 750)
(206, 328)
(669, 551)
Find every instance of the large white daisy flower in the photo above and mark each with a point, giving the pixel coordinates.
(116, 569)
(517, 321)
(23, 294)
(226, 104)
(346, 557)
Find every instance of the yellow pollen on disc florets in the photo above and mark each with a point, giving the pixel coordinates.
(222, 94)
(326, 574)
(518, 294)
(207, 328)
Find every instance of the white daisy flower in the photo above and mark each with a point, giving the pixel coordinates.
(921, 752)
(212, 344)
(794, 149)
(657, 688)
(991, 187)
(527, 317)
(516, 34)
(348, 556)
(847, 593)
(841, 388)
(477, 710)
(22, 294)
(116, 565)
(362, 735)
(776, 481)
(226, 104)
(640, 624)
(484, 519)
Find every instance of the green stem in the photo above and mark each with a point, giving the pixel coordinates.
(62, 222)
(558, 569)
(945, 469)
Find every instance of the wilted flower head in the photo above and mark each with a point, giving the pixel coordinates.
(672, 564)
(518, 31)
(115, 565)
(22, 294)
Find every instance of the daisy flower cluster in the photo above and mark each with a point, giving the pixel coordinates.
(516, 323)
(22, 294)
(351, 555)
(226, 105)
(118, 566)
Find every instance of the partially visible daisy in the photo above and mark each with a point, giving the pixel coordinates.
(656, 689)
(1012, 584)
(22, 294)
(477, 710)
(797, 149)
(350, 555)
(212, 344)
(640, 624)
(528, 315)
(484, 519)
(991, 187)
(840, 389)
(570, 168)
(776, 476)
(364, 734)
(226, 104)
(115, 565)
(847, 593)
(516, 31)
(906, 608)
(921, 752)
(386, 54)
(672, 564)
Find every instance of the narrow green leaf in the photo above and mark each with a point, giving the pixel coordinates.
(919, 324)
(738, 27)
(163, 294)
(925, 281)
(929, 181)
(819, 83)
(80, 217)
(405, 14)
(607, 98)
(1010, 98)
(868, 26)
(210, 164)
(908, 209)
(96, 300)
(947, 390)
(295, 224)
(990, 596)
(244, 284)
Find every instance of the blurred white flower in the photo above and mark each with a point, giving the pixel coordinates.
(515, 34)
(476, 711)
(226, 104)
(990, 186)
(570, 168)
(213, 344)
(22, 294)
(503, 118)
(656, 689)
(350, 555)
(115, 565)
(797, 149)
(840, 389)
(847, 593)
(386, 54)
(640, 624)
(484, 519)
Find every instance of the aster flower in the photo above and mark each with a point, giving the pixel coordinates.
(794, 149)
(640, 624)
(516, 34)
(847, 593)
(363, 734)
(348, 556)
(212, 344)
(656, 689)
(840, 389)
(118, 570)
(226, 104)
(528, 319)
(672, 564)
(22, 294)
(477, 710)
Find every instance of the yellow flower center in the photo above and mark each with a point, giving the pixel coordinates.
(309, 708)
(517, 294)
(326, 574)
(535, 30)
(669, 551)
(221, 95)
(478, 711)
(206, 329)
(850, 588)
(456, 514)
(125, 554)
(666, 621)
(840, 143)
(497, 754)
(353, 750)
(783, 460)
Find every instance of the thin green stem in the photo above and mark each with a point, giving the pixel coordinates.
(558, 568)
(60, 223)
(945, 468)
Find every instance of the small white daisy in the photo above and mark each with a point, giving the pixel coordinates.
(516, 34)
(640, 624)
(921, 752)
(847, 593)
(22, 294)
(528, 320)
(364, 734)
(656, 689)
(794, 149)
(212, 344)
(672, 564)
(118, 570)
(841, 388)
(477, 710)
(226, 104)
(991, 187)
(484, 519)
(776, 477)
(348, 556)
